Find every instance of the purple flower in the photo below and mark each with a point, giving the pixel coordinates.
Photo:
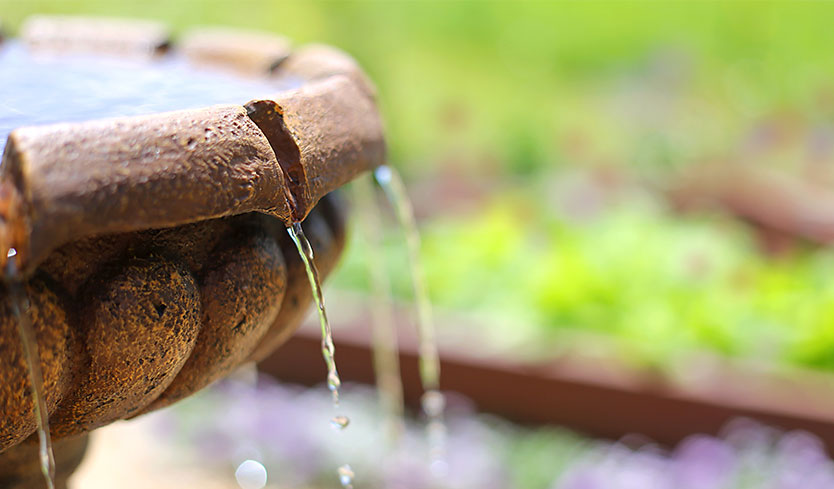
(702, 462)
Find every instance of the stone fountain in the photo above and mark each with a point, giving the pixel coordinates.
(153, 247)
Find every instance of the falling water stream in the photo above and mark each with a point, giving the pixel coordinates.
(305, 250)
(433, 401)
(386, 361)
(383, 333)
(339, 422)
(19, 303)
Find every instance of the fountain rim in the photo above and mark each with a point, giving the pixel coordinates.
(320, 134)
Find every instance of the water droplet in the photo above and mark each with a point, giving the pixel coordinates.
(383, 174)
(12, 252)
(346, 476)
(251, 474)
(339, 422)
(433, 403)
(333, 381)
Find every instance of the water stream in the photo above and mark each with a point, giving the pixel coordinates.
(338, 422)
(383, 333)
(305, 250)
(433, 401)
(19, 303)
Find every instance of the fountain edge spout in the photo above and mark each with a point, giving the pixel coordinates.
(279, 156)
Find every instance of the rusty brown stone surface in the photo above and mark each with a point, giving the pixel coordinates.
(141, 318)
(20, 466)
(157, 315)
(241, 288)
(335, 133)
(247, 52)
(122, 37)
(320, 61)
(202, 164)
(72, 265)
(59, 357)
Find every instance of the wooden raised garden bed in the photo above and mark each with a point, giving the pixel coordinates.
(608, 401)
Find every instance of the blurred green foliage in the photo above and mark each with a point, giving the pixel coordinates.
(633, 279)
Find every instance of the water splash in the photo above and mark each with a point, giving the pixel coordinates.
(346, 476)
(432, 401)
(305, 250)
(384, 334)
(339, 422)
(19, 303)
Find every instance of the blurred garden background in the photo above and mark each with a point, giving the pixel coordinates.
(650, 183)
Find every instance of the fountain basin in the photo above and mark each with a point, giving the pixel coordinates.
(152, 244)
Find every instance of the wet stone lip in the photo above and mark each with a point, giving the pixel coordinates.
(310, 124)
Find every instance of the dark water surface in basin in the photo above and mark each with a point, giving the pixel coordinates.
(38, 88)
